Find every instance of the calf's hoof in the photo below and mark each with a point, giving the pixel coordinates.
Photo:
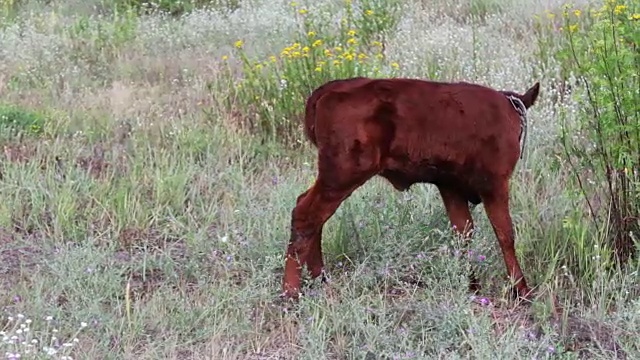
(290, 294)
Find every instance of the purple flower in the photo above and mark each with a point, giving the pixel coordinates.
(484, 301)
(481, 258)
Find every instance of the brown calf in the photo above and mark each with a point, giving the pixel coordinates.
(463, 138)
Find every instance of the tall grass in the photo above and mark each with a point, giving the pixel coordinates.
(594, 47)
(146, 191)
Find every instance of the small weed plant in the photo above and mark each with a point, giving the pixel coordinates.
(15, 120)
(271, 92)
(23, 338)
(599, 47)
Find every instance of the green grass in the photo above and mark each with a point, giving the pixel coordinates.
(146, 222)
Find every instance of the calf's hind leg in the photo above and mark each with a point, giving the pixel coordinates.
(307, 220)
(339, 174)
(313, 258)
(458, 211)
(496, 204)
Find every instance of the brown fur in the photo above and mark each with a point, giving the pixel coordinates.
(461, 137)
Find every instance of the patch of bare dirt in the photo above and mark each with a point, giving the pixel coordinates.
(133, 242)
(578, 335)
(142, 284)
(23, 152)
(276, 333)
(582, 334)
(132, 238)
(15, 256)
(95, 164)
(19, 152)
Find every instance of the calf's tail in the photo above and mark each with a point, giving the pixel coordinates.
(312, 101)
(310, 115)
(530, 96)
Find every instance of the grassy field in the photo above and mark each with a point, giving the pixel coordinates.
(140, 220)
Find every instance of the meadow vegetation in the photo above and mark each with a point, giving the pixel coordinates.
(152, 154)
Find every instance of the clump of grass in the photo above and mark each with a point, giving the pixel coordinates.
(9, 9)
(176, 7)
(275, 89)
(15, 120)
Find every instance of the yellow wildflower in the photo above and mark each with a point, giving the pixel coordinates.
(337, 62)
(305, 49)
(577, 12)
(377, 43)
(635, 17)
(317, 43)
(295, 46)
(362, 56)
(302, 11)
(395, 65)
(285, 53)
(311, 34)
(319, 69)
(296, 54)
(352, 41)
(258, 66)
(321, 63)
(272, 58)
(294, 4)
(328, 53)
(338, 48)
(224, 58)
(573, 28)
(351, 33)
(379, 56)
(619, 9)
(348, 57)
(239, 44)
(551, 15)
(368, 12)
